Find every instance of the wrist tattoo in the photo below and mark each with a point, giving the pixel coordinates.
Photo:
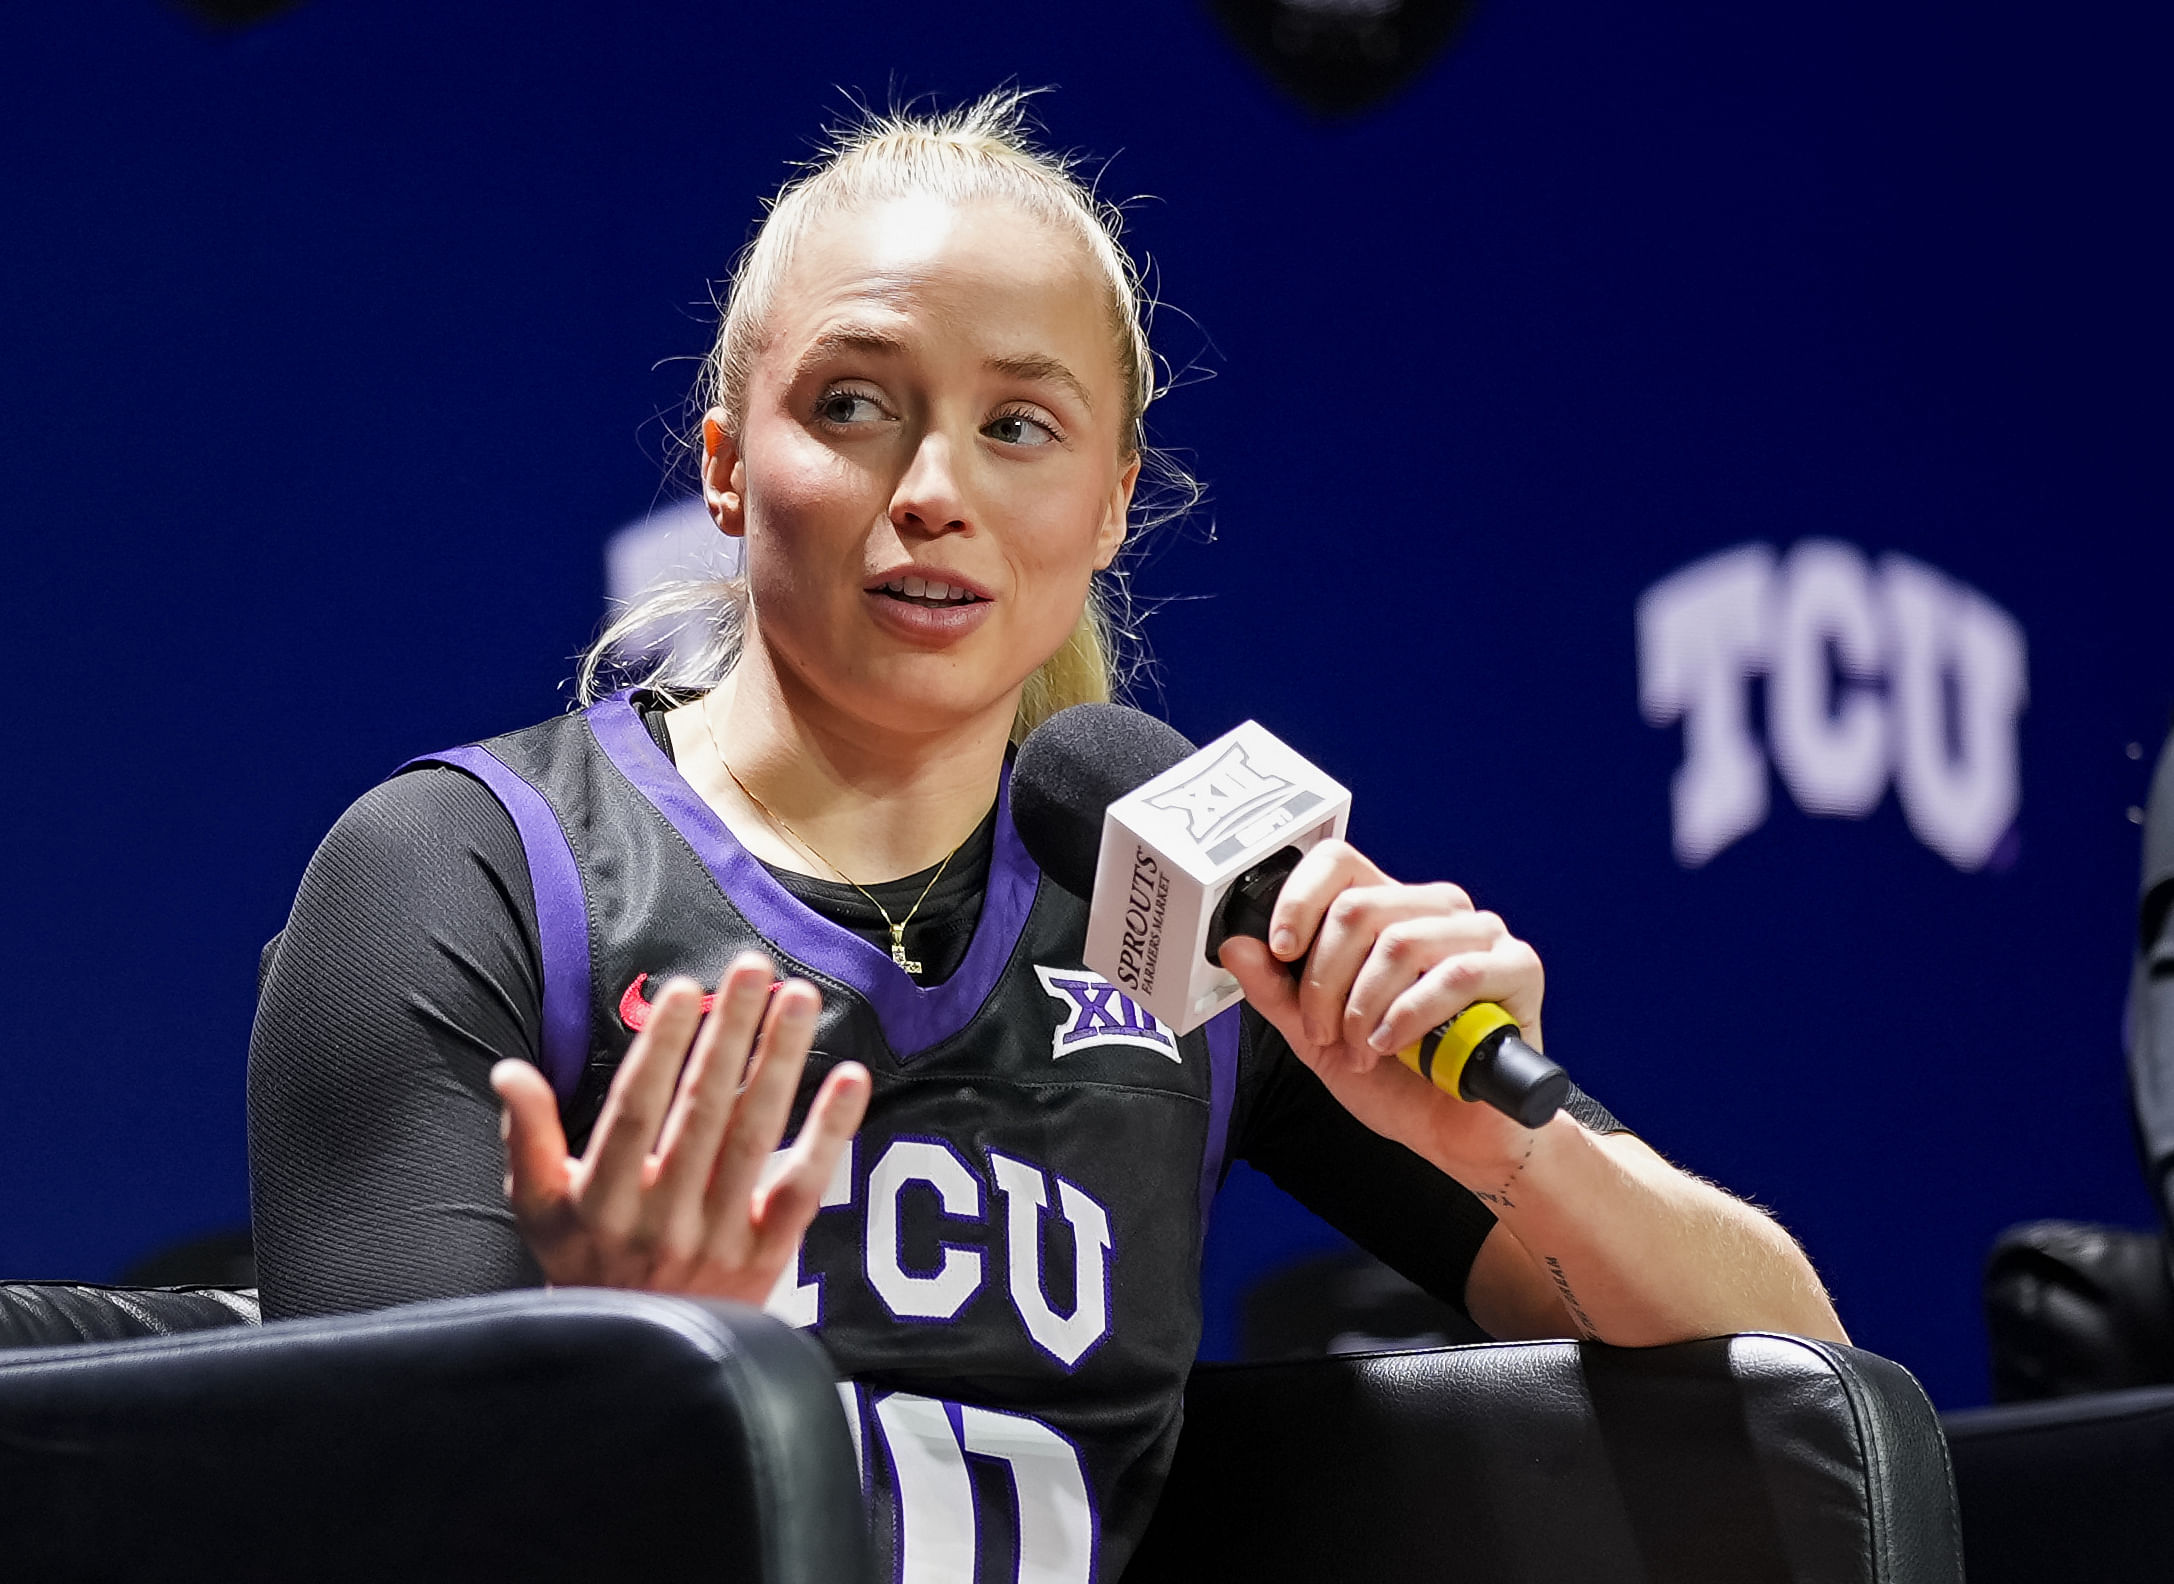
(1586, 1328)
(1500, 1198)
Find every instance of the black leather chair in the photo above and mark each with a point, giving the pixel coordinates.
(1744, 1460)
(53, 1314)
(2074, 1488)
(579, 1436)
(605, 1436)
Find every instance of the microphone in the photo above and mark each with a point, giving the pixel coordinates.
(1176, 850)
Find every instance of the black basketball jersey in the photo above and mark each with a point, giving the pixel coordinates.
(1006, 1267)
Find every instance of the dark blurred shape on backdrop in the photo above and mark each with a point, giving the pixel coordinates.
(1340, 56)
(2074, 1307)
(235, 13)
(226, 1258)
(1345, 1302)
(2150, 1020)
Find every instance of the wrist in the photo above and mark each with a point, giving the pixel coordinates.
(1501, 1162)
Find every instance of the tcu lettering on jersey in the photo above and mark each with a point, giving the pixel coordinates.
(1098, 1013)
(962, 1194)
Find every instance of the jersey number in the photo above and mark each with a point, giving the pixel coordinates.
(927, 1443)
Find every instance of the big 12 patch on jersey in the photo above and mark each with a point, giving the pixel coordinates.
(1340, 56)
(1097, 1013)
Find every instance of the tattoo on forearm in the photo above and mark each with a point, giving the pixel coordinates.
(1500, 1198)
(1586, 1328)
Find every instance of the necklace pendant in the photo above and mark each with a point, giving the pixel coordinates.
(898, 950)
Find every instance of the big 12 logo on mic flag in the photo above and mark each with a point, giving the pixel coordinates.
(1340, 56)
(1222, 800)
(1172, 847)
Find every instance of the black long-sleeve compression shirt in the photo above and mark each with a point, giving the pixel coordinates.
(409, 966)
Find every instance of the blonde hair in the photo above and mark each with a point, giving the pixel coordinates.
(984, 150)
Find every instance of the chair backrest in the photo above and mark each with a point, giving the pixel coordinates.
(590, 1437)
(1743, 1460)
(55, 1314)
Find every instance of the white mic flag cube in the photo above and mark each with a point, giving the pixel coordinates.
(1171, 849)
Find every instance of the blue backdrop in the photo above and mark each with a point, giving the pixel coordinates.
(331, 351)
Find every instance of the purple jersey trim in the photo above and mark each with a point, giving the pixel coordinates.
(915, 1018)
(562, 912)
(1222, 1089)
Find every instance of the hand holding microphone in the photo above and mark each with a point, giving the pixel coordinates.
(1179, 852)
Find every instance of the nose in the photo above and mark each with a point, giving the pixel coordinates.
(929, 500)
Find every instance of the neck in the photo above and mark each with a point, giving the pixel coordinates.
(874, 802)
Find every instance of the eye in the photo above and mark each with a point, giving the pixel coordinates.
(844, 408)
(1021, 429)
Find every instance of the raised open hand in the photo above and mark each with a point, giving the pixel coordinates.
(672, 1195)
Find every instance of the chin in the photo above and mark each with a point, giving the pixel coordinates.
(928, 704)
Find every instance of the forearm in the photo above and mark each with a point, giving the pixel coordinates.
(1595, 1236)
(1598, 1236)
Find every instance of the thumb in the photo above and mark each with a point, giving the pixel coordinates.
(537, 1170)
(1267, 983)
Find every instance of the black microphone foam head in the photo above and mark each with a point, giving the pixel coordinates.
(1069, 771)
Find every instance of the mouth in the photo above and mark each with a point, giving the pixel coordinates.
(928, 593)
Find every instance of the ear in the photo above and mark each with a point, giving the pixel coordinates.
(724, 475)
(1110, 538)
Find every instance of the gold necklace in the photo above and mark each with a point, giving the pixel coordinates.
(897, 929)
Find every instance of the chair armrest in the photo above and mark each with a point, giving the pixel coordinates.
(1739, 1460)
(534, 1436)
(2075, 1488)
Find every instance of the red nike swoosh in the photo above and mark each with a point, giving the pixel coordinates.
(634, 1010)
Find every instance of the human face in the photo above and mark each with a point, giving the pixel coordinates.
(937, 403)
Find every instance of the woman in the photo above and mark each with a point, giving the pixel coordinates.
(924, 422)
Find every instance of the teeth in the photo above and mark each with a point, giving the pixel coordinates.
(920, 588)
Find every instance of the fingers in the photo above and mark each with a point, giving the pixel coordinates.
(1267, 986)
(715, 1067)
(784, 1208)
(1328, 869)
(758, 1120)
(615, 1169)
(1312, 905)
(673, 1209)
(1384, 962)
(1508, 972)
(1407, 948)
(537, 1170)
(1376, 932)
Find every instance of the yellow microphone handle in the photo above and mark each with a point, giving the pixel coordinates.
(1477, 1055)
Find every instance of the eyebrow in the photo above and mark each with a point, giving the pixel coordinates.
(871, 342)
(849, 338)
(1040, 366)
